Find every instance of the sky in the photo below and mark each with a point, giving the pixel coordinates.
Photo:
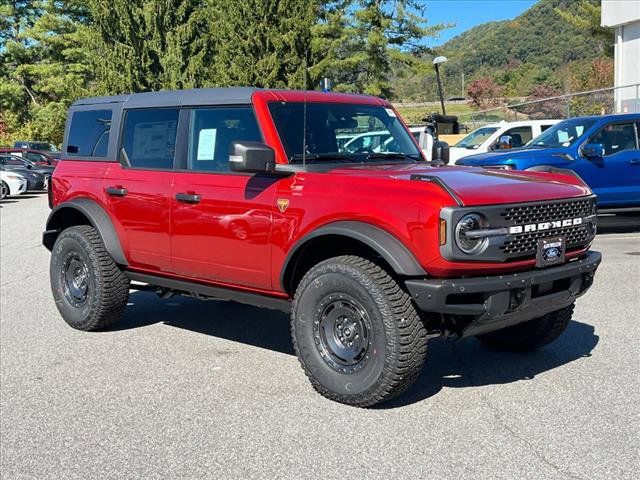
(469, 13)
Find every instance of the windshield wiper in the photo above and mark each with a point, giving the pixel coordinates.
(390, 156)
(322, 156)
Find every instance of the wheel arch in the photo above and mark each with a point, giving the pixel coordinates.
(84, 211)
(347, 237)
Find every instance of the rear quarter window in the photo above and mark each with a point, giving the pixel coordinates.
(89, 133)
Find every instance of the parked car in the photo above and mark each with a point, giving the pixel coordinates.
(46, 147)
(11, 183)
(37, 157)
(602, 150)
(371, 252)
(499, 136)
(37, 176)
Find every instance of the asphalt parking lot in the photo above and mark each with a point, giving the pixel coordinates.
(188, 389)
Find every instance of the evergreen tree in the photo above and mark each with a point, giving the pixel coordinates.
(265, 43)
(145, 45)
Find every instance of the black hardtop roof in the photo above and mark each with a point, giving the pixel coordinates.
(196, 96)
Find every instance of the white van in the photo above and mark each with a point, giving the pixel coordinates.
(499, 136)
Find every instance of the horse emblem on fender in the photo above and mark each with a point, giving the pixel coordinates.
(283, 204)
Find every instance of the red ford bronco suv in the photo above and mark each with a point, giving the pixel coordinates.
(245, 194)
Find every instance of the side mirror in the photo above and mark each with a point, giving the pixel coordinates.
(253, 157)
(593, 150)
(440, 153)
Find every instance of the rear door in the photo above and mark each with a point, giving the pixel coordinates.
(614, 177)
(138, 188)
(222, 220)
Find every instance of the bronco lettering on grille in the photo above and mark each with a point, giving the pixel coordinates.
(536, 227)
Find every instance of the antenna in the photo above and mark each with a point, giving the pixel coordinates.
(304, 130)
(304, 112)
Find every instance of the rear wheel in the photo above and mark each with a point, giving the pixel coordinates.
(4, 190)
(530, 335)
(89, 289)
(356, 333)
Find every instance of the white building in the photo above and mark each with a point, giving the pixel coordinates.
(624, 17)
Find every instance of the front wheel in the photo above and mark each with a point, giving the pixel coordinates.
(4, 190)
(357, 335)
(530, 335)
(89, 289)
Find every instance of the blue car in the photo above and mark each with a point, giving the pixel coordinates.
(603, 150)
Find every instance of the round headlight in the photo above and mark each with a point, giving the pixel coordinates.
(469, 244)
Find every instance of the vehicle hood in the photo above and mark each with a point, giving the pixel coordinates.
(497, 158)
(478, 186)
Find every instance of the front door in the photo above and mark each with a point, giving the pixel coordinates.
(221, 220)
(614, 177)
(138, 188)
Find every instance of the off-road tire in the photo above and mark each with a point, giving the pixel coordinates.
(107, 287)
(530, 335)
(397, 342)
(4, 190)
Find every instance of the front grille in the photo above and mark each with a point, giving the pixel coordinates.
(526, 244)
(543, 212)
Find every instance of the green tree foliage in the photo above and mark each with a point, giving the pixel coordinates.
(145, 45)
(532, 49)
(44, 65)
(586, 17)
(264, 43)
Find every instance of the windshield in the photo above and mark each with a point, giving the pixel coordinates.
(476, 138)
(339, 132)
(562, 134)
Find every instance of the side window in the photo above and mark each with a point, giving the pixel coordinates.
(16, 162)
(544, 127)
(85, 132)
(211, 133)
(149, 138)
(616, 138)
(34, 157)
(519, 136)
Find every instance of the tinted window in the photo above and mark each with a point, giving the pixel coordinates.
(149, 138)
(213, 130)
(616, 138)
(315, 133)
(11, 160)
(86, 130)
(563, 134)
(519, 136)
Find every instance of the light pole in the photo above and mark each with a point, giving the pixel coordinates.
(436, 63)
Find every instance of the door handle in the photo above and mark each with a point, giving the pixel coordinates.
(116, 191)
(635, 161)
(188, 197)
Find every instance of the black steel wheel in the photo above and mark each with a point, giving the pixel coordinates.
(356, 332)
(89, 289)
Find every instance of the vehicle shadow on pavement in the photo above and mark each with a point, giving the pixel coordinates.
(254, 326)
(466, 363)
(618, 224)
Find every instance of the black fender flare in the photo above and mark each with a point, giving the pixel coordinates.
(99, 220)
(394, 252)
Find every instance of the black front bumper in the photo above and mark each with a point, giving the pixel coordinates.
(492, 303)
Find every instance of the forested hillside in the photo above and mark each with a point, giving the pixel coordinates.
(539, 47)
